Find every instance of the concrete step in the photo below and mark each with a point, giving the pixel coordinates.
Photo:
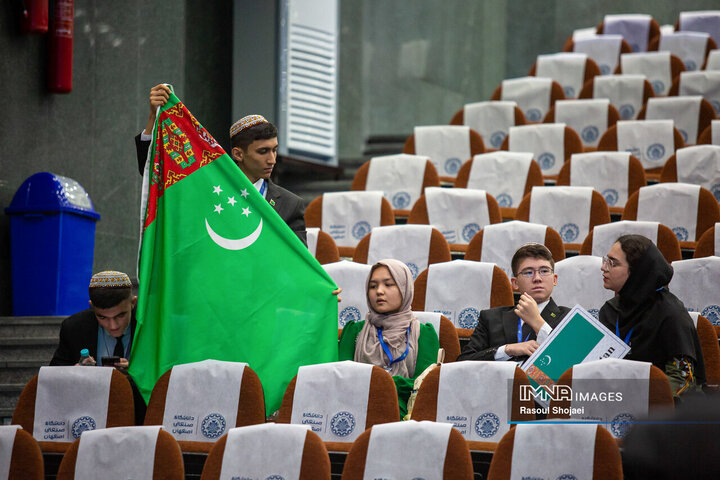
(9, 394)
(20, 371)
(30, 326)
(18, 348)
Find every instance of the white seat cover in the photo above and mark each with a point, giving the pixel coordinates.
(121, 452)
(604, 49)
(352, 278)
(7, 442)
(447, 146)
(650, 141)
(546, 141)
(713, 60)
(501, 240)
(566, 209)
(654, 65)
(606, 172)
(672, 204)
(683, 111)
(349, 216)
(707, 21)
(407, 243)
(332, 398)
(625, 93)
(579, 282)
(312, 239)
(700, 165)
(459, 213)
(635, 28)
(605, 235)
(501, 174)
(568, 69)
(399, 177)
(705, 83)
(687, 46)
(492, 120)
(532, 95)
(589, 118)
(460, 290)
(695, 282)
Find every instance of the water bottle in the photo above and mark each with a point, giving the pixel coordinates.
(84, 353)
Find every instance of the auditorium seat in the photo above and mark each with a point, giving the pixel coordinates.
(690, 47)
(409, 450)
(698, 165)
(704, 83)
(650, 141)
(571, 211)
(505, 238)
(616, 175)
(551, 144)
(349, 216)
(709, 243)
(446, 332)
(713, 61)
(492, 120)
(588, 117)
(458, 213)
(416, 245)
(570, 70)
(690, 114)
(474, 397)
(554, 450)
(660, 68)
(507, 176)
(77, 398)
(460, 290)
(533, 95)
(695, 283)
(322, 246)
(363, 394)
(627, 93)
(447, 146)
(581, 283)
(688, 210)
(710, 349)
(602, 237)
(237, 400)
(402, 178)
(604, 49)
(711, 135)
(702, 21)
(637, 29)
(645, 390)
(352, 278)
(269, 451)
(129, 452)
(20, 455)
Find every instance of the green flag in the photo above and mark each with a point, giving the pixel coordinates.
(221, 275)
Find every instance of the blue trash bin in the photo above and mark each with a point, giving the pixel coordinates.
(52, 242)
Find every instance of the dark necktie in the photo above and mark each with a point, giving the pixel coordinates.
(119, 350)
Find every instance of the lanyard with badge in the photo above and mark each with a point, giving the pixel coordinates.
(263, 188)
(387, 349)
(519, 332)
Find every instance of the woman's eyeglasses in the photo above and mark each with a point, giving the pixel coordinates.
(610, 262)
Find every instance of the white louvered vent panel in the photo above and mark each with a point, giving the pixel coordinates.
(310, 96)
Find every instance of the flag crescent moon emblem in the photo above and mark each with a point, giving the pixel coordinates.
(548, 360)
(237, 244)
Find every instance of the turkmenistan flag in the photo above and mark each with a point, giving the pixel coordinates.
(221, 275)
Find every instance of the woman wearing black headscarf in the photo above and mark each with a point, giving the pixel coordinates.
(650, 319)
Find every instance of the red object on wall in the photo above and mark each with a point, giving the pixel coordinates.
(34, 16)
(61, 47)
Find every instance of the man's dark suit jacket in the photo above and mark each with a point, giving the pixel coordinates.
(80, 331)
(289, 206)
(498, 326)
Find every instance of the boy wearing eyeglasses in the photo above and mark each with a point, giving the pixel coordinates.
(514, 333)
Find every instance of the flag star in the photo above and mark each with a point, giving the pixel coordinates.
(218, 208)
(217, 189)
(232, 201)
(246, 212)
(244, 193)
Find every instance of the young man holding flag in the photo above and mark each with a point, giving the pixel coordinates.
(254, 149)
(221, 275)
